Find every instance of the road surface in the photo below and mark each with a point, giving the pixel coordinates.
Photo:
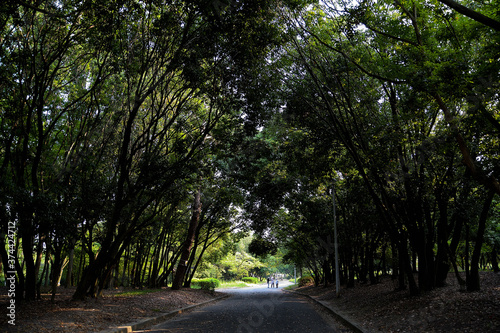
(252, 309)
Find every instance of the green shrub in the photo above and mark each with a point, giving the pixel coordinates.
(250, 279)
(206, 284)
(305, 280)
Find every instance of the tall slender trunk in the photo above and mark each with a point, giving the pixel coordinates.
(494, 260)
(69, 274)
(125, 267)
(205, 246)
(30, 287)
(145, 269)
(168, 267)
(57, 267)
(474, 284)
(442, 257)
(155, 264)
(191, 261)
(182, 267)
(466, 263)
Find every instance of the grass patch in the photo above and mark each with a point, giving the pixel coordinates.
(135, 292)
(233, 284)
(291, 287)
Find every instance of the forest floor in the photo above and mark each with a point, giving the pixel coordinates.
(380, 308)
(375, 308)
(116, 307)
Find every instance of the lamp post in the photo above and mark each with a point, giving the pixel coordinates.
(336, 244)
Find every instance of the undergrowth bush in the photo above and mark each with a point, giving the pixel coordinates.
(305, 280)
(206, 284)
(249, 279)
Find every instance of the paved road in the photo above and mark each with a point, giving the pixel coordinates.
(256, 309)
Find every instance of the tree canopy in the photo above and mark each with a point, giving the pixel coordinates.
(140, 140)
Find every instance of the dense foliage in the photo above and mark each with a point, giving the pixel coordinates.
(113, 115)
(142, 139)
(391, 106)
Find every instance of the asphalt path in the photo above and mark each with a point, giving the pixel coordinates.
(251, 309)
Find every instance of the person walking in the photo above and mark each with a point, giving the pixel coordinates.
(276, 282)
(272, 282)
(268, 281)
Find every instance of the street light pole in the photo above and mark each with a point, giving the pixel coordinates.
(336, 244)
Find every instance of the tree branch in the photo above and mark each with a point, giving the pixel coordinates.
(489, 181)
(41, 10)
(478, 17)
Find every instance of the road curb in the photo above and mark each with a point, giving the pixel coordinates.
(340, 316)
(147, 322)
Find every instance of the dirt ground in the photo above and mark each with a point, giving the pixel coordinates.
(95, 315)
(379, 308)
(376, 308)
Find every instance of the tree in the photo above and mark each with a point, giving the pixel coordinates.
(188, 243)
(43, 88)
(239, 263)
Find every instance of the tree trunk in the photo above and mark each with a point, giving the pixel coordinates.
(384, 258)
(89, 282)
(474, 283)
(326, 272)
(362, 271)
(406, 267)
(27, 245)
(4, 256)
(372, 275)
(494, 260)
(56, 273)
(205, 246)
(466, 263)
(155, 264)
(125, 266)
(186, 250)
(401, 271)
(169, 266)
(192, 256)
(145, 268)
(40, 281)
(351, 275)
(137, 266)
(442, 258)
(38, 262)
(461, 282)
(70, 268)
(192, 265)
